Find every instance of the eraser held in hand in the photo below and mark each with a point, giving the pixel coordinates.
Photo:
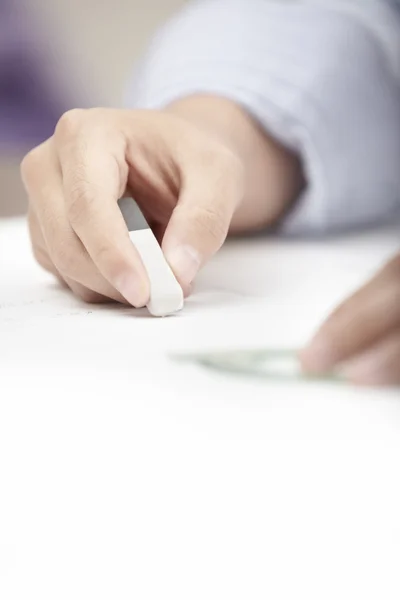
(166, 295)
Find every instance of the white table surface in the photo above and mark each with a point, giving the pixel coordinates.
(124, 475)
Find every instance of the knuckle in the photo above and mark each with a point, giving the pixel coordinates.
(70, 123)
(29, 165)
(104, 254)
(82, 193)
(80, 202)
(212, 222)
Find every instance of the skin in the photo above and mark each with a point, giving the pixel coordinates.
(200, 169)
(361, 339)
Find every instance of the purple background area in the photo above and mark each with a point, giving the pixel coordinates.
(29, 105)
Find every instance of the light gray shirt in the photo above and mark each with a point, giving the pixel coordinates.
(322, 76)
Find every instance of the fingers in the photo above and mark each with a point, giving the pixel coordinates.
(212, 189)
(56, 246)
(39, 246)
(42, 257)
(380, 366)
(92, 160)
(75, 180)
(363, 322)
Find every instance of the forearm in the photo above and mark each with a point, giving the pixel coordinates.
(273, 174)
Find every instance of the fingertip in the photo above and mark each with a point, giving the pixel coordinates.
(318, 358)
(135, 289)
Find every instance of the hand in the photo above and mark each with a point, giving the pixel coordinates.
(188, 184)
(362, 337)
(197, 169)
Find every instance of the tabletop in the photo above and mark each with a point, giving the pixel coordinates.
(125, 474)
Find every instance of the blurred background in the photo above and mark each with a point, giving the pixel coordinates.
(58, 54)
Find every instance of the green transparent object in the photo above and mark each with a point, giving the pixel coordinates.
(269, 364)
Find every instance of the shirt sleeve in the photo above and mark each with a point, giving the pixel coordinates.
(319, 78)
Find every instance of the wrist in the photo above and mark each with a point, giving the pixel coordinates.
(273, 174)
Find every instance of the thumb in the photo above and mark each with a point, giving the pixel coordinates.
(210, 193)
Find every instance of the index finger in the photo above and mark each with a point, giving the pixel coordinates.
(211, 191)
(94, 175)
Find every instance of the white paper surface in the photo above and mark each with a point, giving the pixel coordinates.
(125, 475)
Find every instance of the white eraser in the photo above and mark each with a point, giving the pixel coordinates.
(166, 295)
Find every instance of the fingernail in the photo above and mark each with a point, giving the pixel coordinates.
(318, 357)
(133, 289)
(185, 262)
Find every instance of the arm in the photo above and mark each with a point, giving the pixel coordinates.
(321, 79)
(238, 94)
